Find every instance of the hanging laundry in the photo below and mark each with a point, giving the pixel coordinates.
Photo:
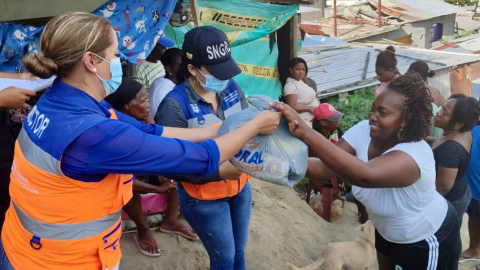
(138, 25)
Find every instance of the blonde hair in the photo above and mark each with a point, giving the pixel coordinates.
(64, 41)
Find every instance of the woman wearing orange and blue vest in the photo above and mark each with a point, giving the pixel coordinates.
(74, 158)
(219, 212)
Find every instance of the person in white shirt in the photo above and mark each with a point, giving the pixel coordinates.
(171, 60)
(299, 95)
(392, 169)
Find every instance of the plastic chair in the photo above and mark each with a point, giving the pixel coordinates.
(328, 195)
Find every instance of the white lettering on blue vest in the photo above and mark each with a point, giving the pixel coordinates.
(37, 122)
(248, 157)
(218, 50)
(195, 108)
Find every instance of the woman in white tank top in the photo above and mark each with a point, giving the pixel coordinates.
(393, 172)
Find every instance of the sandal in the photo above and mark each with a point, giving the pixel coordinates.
(149, 243)
(181, 233)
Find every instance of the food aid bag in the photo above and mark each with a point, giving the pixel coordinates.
(279, 158)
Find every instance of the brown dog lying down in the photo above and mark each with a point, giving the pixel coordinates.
(357, 255)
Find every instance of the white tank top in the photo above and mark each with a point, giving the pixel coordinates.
(401, 215)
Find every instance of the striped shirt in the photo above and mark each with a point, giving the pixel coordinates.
(147, 72)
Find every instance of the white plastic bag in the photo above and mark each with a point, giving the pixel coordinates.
(279, 158)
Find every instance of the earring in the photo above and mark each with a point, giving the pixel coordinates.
(400, 131)
(95, 70)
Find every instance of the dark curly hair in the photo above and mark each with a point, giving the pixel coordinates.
(466, 111)
(417, 113)
(387, 59)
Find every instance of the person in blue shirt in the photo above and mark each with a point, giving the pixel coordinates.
(131, 98)
(473, 178)
(73, 129)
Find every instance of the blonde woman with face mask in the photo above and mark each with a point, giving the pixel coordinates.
(75, 156)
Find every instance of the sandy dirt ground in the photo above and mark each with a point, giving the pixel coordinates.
(282, 228)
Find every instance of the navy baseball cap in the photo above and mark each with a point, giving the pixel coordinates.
(209, 47)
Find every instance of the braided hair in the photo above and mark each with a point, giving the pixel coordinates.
(387, 59)
(417, 112)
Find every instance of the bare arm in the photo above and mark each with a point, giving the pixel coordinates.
(394, 169)
(6, 75)
(292, 102)
(445, 179)
(13, 97)
(318, 171)
(17, 76)
(141, 187)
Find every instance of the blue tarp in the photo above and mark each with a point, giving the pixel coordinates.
(138, 24)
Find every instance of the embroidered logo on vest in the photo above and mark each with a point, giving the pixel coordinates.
(195, 108)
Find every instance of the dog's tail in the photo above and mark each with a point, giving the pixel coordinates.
(319, 262)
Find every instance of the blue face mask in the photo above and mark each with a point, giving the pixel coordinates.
(112, 85)
(213, 84)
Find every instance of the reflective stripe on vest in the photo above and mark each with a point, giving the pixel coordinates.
(211, 120)
(36, 156)
(55, 222)
(72, 231)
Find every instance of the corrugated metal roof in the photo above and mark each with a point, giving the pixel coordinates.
(415, 10)
(436, 7)
(322, 40)
(340, 69)
(470, 44)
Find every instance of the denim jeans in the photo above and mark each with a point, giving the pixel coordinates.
(4, 262)
(222, 225)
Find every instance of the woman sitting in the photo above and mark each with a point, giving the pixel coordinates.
(392, 169)
(301, 97)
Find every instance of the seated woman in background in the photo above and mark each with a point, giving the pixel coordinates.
(301, 97)
(386, 68)
(422, 68)
(392, 170)
(131, 99)
(457, 117)
(171, 60)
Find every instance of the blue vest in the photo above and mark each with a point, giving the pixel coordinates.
(197, 114)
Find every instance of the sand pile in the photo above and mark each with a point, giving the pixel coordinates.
(282, 228)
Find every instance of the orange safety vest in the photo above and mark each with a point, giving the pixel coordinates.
(198, 116)
(57, 223)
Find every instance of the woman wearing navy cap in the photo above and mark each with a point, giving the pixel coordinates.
(218, 212)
